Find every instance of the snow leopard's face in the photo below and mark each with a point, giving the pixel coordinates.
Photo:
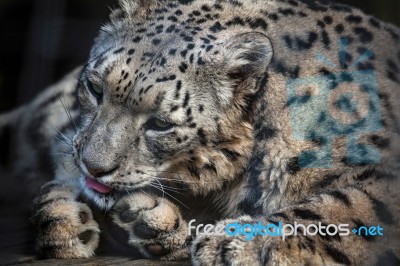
(166, 108)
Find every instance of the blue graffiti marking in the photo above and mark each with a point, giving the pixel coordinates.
(341, 104)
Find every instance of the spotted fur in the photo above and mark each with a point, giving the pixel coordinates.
(190, 97)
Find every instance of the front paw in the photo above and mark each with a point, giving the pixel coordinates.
(66, 228)
(228, 250)
(153, 225)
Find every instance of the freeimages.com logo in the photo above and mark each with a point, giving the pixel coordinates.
(345, 103)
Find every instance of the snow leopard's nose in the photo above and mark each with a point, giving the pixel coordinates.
(98, 171)
(107, 141)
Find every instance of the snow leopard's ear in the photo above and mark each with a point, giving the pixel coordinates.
(246, 56)
(133, 9)
(240, 64)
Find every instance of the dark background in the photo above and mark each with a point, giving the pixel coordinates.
(41, 40)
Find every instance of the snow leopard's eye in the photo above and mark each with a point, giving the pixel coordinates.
(157, 124)
(95, 89)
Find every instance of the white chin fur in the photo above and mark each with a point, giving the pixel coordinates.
(102, 201)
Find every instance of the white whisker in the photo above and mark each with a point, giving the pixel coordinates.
(66, 109)
(171, 197)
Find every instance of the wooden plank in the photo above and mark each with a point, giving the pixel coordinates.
(14, 259)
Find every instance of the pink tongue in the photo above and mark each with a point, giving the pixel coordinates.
(99, 187)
